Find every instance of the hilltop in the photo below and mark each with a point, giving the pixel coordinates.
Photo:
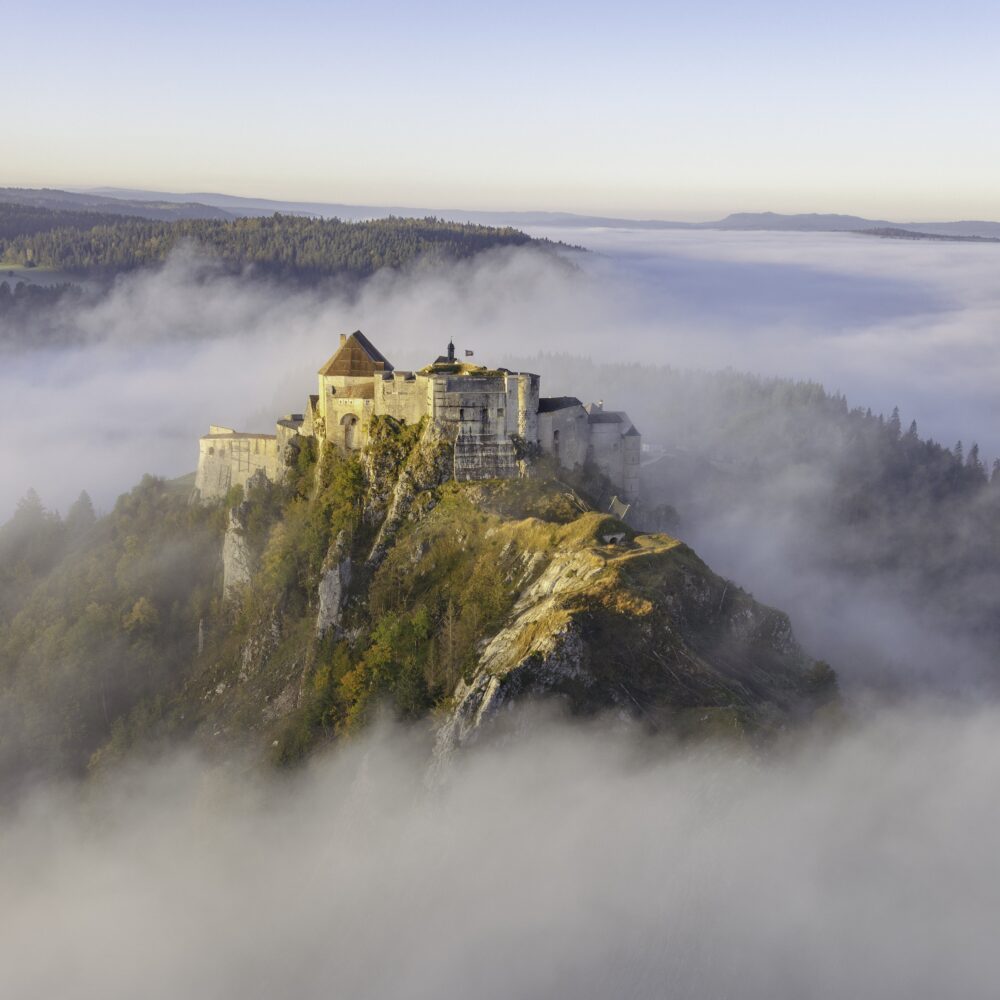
(282, 617)
(281, 246)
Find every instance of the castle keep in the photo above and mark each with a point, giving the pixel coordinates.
(484, 411)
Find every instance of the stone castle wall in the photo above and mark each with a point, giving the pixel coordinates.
(402, 395)
(565, 434)
(481, 410)
(227, 458)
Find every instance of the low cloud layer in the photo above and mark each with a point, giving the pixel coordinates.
(890, 323)
(585, 861)
(914, 323)
(572, 862)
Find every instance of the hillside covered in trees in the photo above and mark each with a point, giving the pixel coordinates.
(364, 582)
(282, 246)
(861, 503)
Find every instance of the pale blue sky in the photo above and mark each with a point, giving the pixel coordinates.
(669, 109)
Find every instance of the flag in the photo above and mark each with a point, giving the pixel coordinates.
(469, 354)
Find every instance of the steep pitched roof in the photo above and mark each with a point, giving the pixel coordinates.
(356, 356)
(549, 404)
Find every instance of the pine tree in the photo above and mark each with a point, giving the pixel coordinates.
(894, 425)
(80, 517)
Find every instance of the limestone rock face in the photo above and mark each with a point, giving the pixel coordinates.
(426, 466)
(236, 568)
(642, 629)
(333, 584)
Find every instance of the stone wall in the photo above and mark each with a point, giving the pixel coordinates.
(565, 434)
(607, 451)
(227, 458)
(480, 456)
(347, 421)
(402, 395)
(480, 410)
(527, 406)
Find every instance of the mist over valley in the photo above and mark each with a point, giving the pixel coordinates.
(751, 837)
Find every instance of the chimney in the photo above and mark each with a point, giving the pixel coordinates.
(343, 339)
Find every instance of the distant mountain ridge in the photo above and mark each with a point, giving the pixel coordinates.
(160, 209)
(170, 206)
(767, 221)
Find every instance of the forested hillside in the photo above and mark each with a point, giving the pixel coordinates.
(283, 246)
(362, 582)
(18, 220)
(95, 615)
(857, 498)
(80, 203)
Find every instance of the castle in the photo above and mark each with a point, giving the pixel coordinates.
(489, 414)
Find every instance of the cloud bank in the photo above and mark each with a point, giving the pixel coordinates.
(573, 862)
(912, 324)
(915, 323)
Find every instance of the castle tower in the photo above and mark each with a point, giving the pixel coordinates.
(527, 407)
(347, 390)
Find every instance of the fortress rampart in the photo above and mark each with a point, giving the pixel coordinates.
(486, 412)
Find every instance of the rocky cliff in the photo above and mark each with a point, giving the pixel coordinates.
(378, 581)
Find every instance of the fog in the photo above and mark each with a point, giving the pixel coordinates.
(889, 322)
(907, 323)
(584, 860)
(572, 862)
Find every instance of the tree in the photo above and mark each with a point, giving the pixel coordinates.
(81, 517)
(894, 424)
(973, 462)
(143, 618)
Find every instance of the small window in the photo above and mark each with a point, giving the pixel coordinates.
(211, 451)
(500, 411)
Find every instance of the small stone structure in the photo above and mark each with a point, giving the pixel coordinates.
(492, 415)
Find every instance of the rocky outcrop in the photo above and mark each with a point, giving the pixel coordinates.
(333, 584)
(236, 561)
(642, 628)
(425, 466)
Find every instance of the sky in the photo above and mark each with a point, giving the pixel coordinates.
(673, 110)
